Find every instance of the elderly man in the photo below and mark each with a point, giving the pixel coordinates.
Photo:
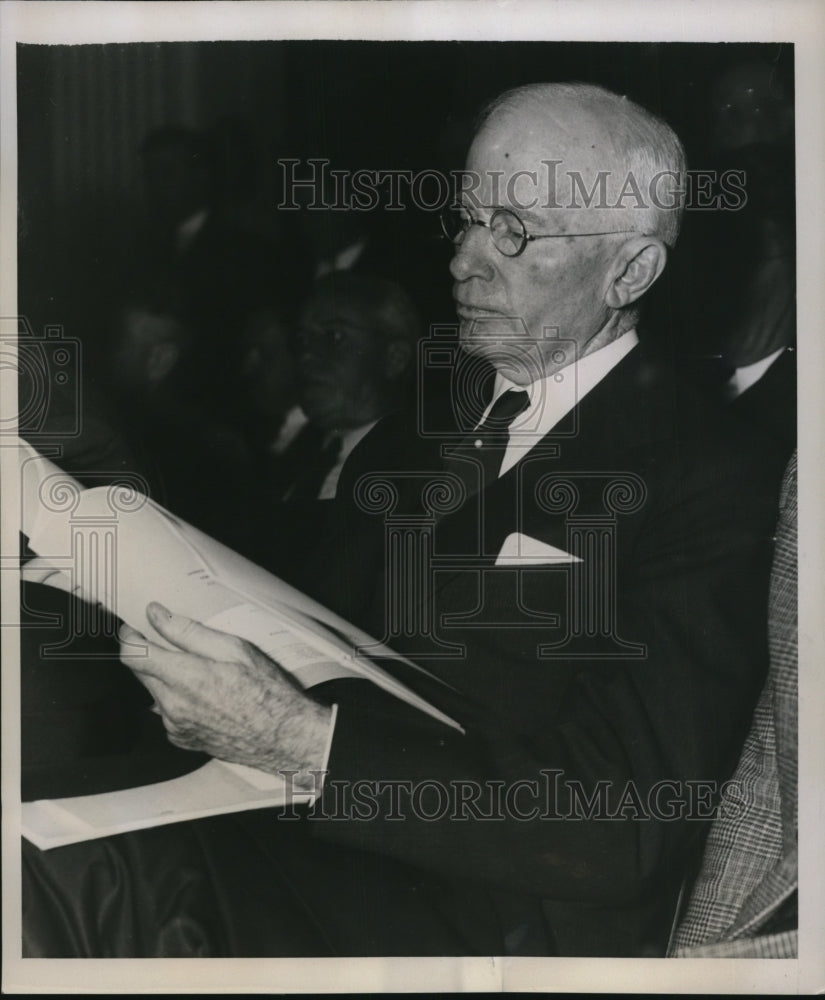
(596, 601)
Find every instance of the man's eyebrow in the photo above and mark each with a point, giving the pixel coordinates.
(523, 213)
(527, 216)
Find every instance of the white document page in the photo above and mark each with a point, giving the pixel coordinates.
(211, 790)
(124, 551)
(117, 548)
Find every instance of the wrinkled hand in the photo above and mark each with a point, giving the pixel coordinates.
(222, 695)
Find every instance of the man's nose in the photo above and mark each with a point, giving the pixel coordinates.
(472, 257)
(306, 347)
(309, 361)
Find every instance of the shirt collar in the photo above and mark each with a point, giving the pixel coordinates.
(189, 228)
(351, 437)
(294, 421)
(583, 375)
(553, 397)
(746, 376)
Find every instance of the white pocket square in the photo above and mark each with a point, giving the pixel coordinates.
(518, 550)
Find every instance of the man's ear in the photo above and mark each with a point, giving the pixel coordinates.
(636, 267)
(397, 358)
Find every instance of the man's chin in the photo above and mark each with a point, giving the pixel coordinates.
(480, 338)
(471, 345)
(319, 408)
(514, 357)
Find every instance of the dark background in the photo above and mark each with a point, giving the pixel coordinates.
(83, 110)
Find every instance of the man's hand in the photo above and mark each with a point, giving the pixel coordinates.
(220, 694)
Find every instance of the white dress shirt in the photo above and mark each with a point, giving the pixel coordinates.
(189, 229)
(295, 421)
(552, 398)
(291, 426)
(349, 439)
(746, 376)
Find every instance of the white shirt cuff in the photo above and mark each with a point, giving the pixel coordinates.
(327, 751)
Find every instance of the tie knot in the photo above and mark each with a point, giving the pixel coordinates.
(505, 409)
(477, 460)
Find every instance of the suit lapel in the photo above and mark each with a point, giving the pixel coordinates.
(632, 407)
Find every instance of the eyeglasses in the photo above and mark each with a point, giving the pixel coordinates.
(507, 231)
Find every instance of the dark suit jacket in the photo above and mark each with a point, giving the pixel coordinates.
(636, 666)
(770, 403)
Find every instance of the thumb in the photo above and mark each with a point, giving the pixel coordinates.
(192, 636)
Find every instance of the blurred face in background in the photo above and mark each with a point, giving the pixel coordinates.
(347, 360)
(267, 368)
(148, 347)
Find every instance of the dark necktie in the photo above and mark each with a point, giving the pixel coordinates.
(313, 467)
(477, 460)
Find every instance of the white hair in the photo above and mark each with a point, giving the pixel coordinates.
(647, 146)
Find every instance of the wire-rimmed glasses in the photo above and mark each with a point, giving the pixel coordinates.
(507, 231)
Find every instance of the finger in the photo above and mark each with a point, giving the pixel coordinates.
(143, 657)
(40, 570)
(193, 637)
(133, 645)
(156, 688)
(128, 634)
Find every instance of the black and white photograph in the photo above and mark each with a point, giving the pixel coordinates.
(410, 422)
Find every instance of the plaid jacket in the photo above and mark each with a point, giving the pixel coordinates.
(749, 868)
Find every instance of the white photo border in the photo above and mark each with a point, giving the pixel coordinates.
(800, 22)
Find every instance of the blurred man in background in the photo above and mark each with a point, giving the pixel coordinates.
(354, 350)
